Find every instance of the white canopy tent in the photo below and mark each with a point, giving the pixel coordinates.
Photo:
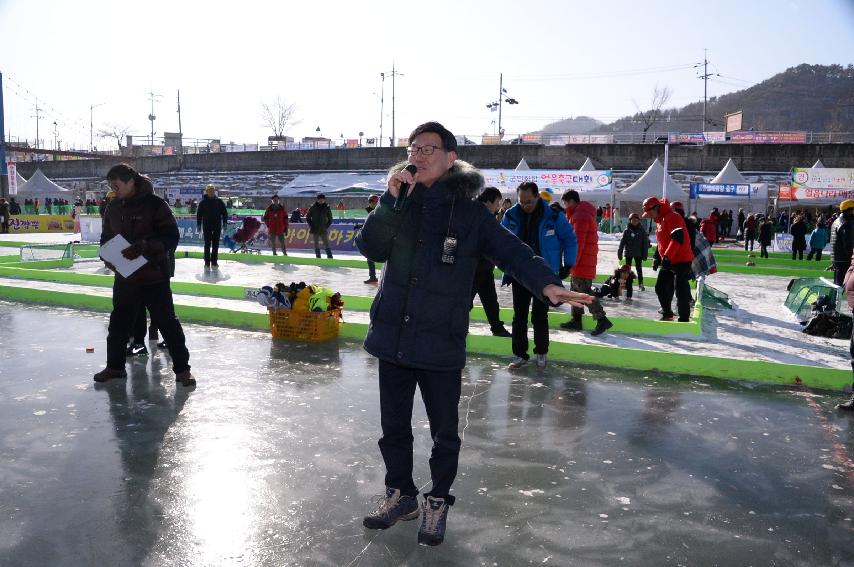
(523, 165)
(818, 164)
(587, 166)
(731, 175)
(652, 183)
(40, 187)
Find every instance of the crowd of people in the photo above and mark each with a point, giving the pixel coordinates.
(440, 234)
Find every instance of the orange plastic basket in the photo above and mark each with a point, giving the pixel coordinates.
(304, 325)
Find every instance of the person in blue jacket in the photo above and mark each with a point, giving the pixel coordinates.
(550, 236)
(430, 244)
(818, 240)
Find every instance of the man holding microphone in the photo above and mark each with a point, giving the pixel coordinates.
(429, 232)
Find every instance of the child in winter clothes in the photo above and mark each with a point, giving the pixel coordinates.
(635, 245)
(614, 285)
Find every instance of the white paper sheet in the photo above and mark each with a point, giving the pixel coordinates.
(111, 251)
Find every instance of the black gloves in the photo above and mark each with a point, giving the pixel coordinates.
(655, 264)
(665, 264)
(563, 273)
(135, 250)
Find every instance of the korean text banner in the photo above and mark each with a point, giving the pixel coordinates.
(823, 178)
(723, 189)
(506, 180)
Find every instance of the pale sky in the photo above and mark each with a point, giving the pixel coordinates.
(559, 59)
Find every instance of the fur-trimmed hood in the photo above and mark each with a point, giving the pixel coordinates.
(462, 179)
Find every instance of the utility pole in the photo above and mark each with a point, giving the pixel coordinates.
(92, 126)
(500, 98)
(382, 96)
(394, 74)
(705, 76)
(38, 110)
(151, 116)
(180, 131)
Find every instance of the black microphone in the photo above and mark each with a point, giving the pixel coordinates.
(404, 189)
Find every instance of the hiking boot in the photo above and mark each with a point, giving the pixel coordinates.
(667, 317)
(542, 361)
(602, 325)
(432, 530)
(500, 331)
(518, 363)
(162, 344)
(371, 280)
(185, 378)
(573, 324)
(846, 406)
(392, 507)
(136, 349)
(109, 373)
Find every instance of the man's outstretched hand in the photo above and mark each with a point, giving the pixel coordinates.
(557, 294)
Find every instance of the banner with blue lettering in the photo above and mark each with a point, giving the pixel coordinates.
(721, 189)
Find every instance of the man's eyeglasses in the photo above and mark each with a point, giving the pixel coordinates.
(426, 150)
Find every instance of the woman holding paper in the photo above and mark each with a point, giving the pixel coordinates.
(138, 233)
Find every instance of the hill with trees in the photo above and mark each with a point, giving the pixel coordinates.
(806, 98)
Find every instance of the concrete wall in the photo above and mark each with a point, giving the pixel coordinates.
(747, 157)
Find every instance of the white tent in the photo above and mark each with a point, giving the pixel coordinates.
(523, 166)
(651, 184)
(20, 179)
(40, 187)
(818, 164)
(729, 174)
(587, 166)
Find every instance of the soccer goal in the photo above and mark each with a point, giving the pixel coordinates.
(37, 252)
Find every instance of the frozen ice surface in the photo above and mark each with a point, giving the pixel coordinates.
(272, 460)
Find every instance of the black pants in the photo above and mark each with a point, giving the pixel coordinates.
(522, 300)
(799, 253)
(157, 298)
(839, 271)
(484, 286)
(638, 267)
(212, 244)
(677, 278)
(441, 394)
(816, 252)
(748, 240)
(763, 250)
(372, 270)
(139, 327)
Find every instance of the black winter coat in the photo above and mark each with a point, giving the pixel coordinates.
(319, 218)
(211, 213)
(799, 235)
(843, 243)
(634, 243)
(145, 216)
(420, 315)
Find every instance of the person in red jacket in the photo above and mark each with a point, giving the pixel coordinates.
(709, 230)
(276, 219)
(582, 217)
(674, 255)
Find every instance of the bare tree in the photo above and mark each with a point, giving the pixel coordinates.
(660, 96)
(278, 116)
(118, 132)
